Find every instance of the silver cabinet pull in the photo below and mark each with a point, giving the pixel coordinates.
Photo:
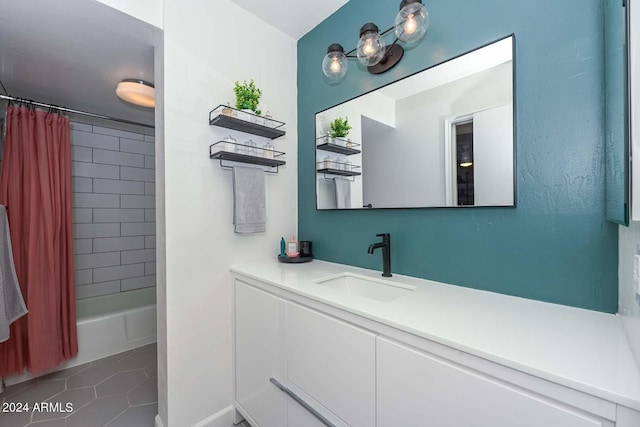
(302, 403)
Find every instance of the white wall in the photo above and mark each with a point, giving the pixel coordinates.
(628, 307)
(208, 46)
(149, 11)
(629, 237)
(161, 238)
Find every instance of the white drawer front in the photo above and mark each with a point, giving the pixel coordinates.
(333, 362)
(417, 389)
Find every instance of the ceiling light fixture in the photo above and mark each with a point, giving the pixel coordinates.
(465, 158)
(411, 24)
(138, 92)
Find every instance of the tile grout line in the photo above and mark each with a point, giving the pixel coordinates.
(113, 419)
(142, 354)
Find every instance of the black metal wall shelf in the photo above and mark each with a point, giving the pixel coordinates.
(327, 146)
(340, 172)
(245, 154)
(231, 118)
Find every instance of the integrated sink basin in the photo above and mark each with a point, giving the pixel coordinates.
(366, 287)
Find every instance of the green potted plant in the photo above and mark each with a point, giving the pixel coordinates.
(340, 128)
(248, 97)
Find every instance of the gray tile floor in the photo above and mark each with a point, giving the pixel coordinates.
(117, 391)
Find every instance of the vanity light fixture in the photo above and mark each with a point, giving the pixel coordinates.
(411, 24)
(334, 63)
(138, 92)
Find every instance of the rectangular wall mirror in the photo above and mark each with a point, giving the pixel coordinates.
(443, 137)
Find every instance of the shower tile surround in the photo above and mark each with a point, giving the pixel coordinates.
(113, 184)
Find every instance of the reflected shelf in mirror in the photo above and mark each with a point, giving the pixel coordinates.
(337, 145)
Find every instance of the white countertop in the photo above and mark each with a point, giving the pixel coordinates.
(581, 349)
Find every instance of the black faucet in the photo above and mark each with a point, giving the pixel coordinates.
(386, 252)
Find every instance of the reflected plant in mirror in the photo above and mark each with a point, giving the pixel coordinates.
(442, 137)
(340, 127)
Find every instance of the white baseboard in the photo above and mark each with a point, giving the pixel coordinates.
(102, 336)
(223, 418)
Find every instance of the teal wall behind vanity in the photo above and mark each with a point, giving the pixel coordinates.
(555, 245)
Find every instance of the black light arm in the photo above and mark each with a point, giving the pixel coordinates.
(351, 53)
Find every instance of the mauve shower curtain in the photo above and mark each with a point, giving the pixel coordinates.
(36, 186)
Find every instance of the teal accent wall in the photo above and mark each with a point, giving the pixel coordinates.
(556, 245)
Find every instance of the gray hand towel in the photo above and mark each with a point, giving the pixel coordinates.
(343, 193)
(11, 303)
(249, 211)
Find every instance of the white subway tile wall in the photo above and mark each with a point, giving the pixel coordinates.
(113, 210)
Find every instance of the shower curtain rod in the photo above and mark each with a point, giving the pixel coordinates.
(70, 110)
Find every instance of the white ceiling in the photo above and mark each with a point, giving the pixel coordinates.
(293, 17)
(72, 53)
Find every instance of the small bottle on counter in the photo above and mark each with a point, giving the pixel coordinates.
(292, 247)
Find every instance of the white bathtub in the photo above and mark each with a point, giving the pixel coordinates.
(108, 334)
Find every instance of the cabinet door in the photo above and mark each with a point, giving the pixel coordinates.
(297, 416)
(418, 389)
(259, 355)
(333, 362)
(626, 417)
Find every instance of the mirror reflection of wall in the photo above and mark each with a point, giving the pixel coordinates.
(408, 134)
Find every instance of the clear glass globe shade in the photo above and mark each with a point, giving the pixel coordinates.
(411, 23)
(334, 65)
(371, 48)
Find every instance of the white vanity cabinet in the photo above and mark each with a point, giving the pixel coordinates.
(333, 362)
(301, 362)
(626, 417)
(259, 355)
(416, 389)
(325, 362)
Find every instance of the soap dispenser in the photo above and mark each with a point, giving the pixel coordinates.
(292, 247)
